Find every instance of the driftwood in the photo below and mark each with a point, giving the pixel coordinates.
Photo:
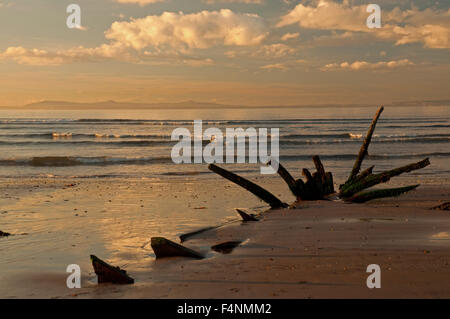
(246, 217)
(186, 236)
(380, 193)
(107, 273)
(317, 185)
(287, 177)
(320, 184)
(365, 146)
(444, 206)
(166, 248)
(227, 247)
(256, 190)
(357, 182)
(4, 234)
(383, 177)
(362, 175)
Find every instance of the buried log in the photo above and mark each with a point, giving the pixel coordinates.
(246, 217)
(324, 180)
(317, 185)
(444, 206)
(380, 193)
(307, 174)
(166, 248)
(256, 190)
(110, 274)
(383, 177)
(364, 174)
(4, 234)
(361, 176)
(320, 184)
(287, 177)
(357, 182)
(227, 247)
(319, 167)
(364, 147)
(185, 237)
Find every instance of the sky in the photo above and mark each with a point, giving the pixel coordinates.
(239, 52)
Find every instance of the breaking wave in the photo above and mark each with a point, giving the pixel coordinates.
(61, 161)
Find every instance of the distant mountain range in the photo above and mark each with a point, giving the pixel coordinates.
(65, 105)
(122, 105)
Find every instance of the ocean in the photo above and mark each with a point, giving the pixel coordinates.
(102, 182)
(137, 143)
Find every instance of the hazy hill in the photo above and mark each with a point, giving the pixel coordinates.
(66, 105)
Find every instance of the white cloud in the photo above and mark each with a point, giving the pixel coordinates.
(6, 5)
(267, 51)
(140, 2)
(289, 36)
(275, 66)
(430, 26)
(169, 37)
(327, 15)
(234, 1)
(363, 65)
(276, 50)
(40, 57)
(182, 32)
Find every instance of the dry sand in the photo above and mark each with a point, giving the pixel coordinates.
(317, 250)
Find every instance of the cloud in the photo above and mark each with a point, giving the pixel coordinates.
(327, 16)
(363, 65)
(289, 36)
(276, 66)
(170, 37)
(234, 1)
(181, 32)
(40, 57)
(268, 51)
(431, 27)
(37, 57)
(6, 5)
(276, 50)
(140, 2)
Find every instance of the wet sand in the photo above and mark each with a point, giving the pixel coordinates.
(317, 250)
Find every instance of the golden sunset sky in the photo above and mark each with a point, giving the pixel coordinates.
(241, 52)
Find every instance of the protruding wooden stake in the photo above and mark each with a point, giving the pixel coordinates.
(287, 177)
(306, 173)
(365, 146)
(107, 273)
(319, 167)
(383, 177)
(4, 234)
(166, 248)
(380, 193)
(444, 206)
(227, 247)
(246, 217)
(358, 178)
(256, 190)
(185, 237)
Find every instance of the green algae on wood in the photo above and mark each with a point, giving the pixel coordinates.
(380, 193)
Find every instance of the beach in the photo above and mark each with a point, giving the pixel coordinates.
(319, 249)
(224, 149)
(80, 183)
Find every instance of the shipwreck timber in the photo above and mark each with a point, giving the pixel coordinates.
(110, 274)
(319, 185)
